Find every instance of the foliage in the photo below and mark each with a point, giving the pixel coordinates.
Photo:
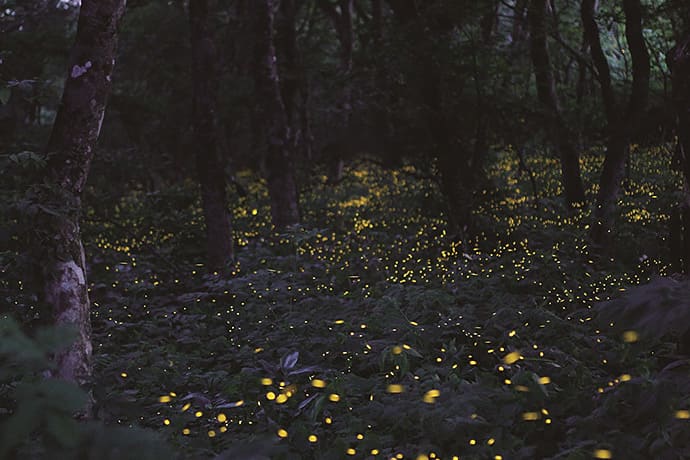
(369, 330)
(37, 414)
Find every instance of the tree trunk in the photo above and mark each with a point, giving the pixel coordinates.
(518, 32)
(288, 58)
(546, 91)
(210, 166)
(281, 183)
(71, 149)
(620, 125)
(456, 173)
(342, 23)
(678, 60)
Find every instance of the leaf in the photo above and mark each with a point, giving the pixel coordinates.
(306, 402)
(198, 398)
(289, 361)
(304, 370)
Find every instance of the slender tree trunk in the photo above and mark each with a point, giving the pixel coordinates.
(456, 173)
(546, 91)
(620, 125)
(457, 166)
(342, 22)
(678, 60)
(288, 58)
(210, 166)
(71, 147)
(281, 182)
(518, 32)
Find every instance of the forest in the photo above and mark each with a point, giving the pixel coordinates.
(325, 229)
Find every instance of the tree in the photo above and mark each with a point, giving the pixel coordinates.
(459, 161)
(271, 113)
(71, 149)
(210, 165)
(678, 59)
(341, 15)
(621, 122)
(548, 98)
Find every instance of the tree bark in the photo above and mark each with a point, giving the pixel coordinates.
(342, 23)
(71, 149)
(678, 60)
(620, 125)
(546, 92)
(281, 183)
(459, 167)
(210, 166)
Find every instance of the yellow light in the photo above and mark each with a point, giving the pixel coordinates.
(186, 407)
(603, 453)
(328, 420)
(512, 357)
(270, 396)
(544, 380)
(123, 375)
(313, 438)
(211, 434)
(318, 383)
(350, 451)
(165, 399)
(396, 350)
(333, 397)
(281, 399)
(282, 433)
(266, 381)
(430, 396)
(630, 337)
(221, 417)
(374, 452)
(395, 389)
(186, 431)
(166, 422)
(198, 414)
(530, 416)
(683, 414)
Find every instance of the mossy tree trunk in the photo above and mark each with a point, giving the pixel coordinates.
(71, 149)
(210, 164)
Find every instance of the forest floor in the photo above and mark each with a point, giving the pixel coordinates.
(370, 333)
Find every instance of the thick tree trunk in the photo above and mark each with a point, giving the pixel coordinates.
(620, 125)
(281, 183)
(71, 149)
(210, 166)
(546, 91)
(678, 60)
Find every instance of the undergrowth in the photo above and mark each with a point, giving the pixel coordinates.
(368, 333)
